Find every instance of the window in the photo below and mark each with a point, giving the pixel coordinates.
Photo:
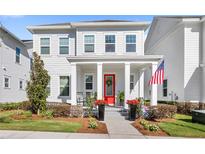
(18, 54)
(6, 82)
(89, 41)
(165, 88)
(21, 85)
(64, 45)
(45, 46)
(130, 43)
(109, 43)
(64, 86)
(31, 63)
(88, 82)
(131, 82)
(48, 88)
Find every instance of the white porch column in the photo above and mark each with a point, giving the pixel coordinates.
(154, 87)
(73, 83)
(127, 84)
(141, 85)
(99, 81)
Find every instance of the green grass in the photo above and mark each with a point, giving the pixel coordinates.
(183, 127)
(38, 125)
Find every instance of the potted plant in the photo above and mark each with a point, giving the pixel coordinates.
(121, 97)
(132, 108)
(101, 109)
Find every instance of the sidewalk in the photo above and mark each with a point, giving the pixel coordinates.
(118, 127)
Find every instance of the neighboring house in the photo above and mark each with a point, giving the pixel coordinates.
(181, 40)
(98, 56)
(14, 67)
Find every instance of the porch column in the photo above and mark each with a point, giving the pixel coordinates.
(154, 87)
(141, 83)
(73, 83)
(99, 81)
(127, 84)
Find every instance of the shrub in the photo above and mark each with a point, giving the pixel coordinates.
(149, 126)
(47, 114)
(92, 123)
(161, 111)
(187, 107)
(25, 105)
(5, 119)
(9, 106)
(27, 114)
(76, 111)
(59, 109)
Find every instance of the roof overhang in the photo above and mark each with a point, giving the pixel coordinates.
(115, 58)
(57, 27)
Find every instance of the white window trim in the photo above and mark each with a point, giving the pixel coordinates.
(90, 90)
(110, 43)
(5, 76)
(45, 46)
(69, 94)
(89, 43)
(63, 36)
(19, 56)
(133, 81)
(49, 86)
(130, 43)
(22, 84)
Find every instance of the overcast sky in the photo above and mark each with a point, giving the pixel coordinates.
(18, 24)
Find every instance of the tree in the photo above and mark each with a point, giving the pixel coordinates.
(37, 86)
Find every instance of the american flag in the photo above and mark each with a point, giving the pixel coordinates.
(158, 76)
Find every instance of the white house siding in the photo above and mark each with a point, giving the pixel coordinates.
(172, 48)
(15, 71)
(120, 39)
(202, 87)
(192, 35)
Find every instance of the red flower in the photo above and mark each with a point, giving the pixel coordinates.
(133, 102)
(100, 102)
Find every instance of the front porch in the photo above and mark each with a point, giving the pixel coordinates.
(107, 78)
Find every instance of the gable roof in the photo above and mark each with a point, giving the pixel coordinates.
(11, 34)
(153, 26)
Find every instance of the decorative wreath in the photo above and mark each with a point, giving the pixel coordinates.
(109, 82)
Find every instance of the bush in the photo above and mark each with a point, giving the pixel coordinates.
(76, 111)
(167, 102)
(148, 126)
(47, 114)
(25, 105)
(187, 107)
(92, 123)
(161, 111)
(59, 109)
(27, 114)
(5, 119)
(9, 106)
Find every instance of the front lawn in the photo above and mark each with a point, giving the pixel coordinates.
(22, 120)
(183, 127)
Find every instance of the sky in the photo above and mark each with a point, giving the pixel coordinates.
(17, 24)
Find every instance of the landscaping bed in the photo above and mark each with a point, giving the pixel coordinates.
(25, 120)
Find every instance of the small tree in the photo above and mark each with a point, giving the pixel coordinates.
(36, 88)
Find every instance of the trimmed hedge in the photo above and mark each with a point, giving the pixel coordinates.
(187, 107)
(161, 111)
(15, 106)
(59, 109)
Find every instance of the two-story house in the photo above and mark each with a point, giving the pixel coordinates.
(14, 67)
(181, 40)
(105, 57)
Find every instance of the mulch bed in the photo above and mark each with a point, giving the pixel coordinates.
(101, 129)
(141, 129)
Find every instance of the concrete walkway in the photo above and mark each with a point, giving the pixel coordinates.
(118, 126)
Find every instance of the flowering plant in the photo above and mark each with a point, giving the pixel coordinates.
(133, 102)
(100, 102)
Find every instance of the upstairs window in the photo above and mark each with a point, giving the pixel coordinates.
(109, 43)
(130, 43)
(165, 88)
(89, 43)
(18, 54)
(64, 45)
(64, 86)
(45, 46)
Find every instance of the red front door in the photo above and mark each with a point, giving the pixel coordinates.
(109, 88)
